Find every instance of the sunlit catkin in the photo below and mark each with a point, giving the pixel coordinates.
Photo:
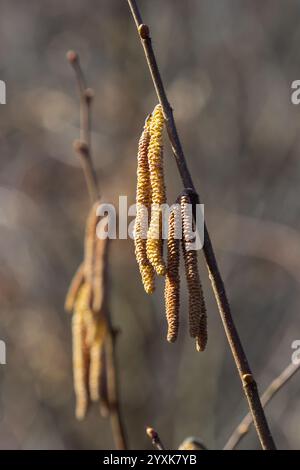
(76, 283)
(172, 281)
(158, 191)
(143, 206)
(197, 309)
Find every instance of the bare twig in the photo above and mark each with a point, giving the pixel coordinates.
(155, 439)
(83, 148)
(241, 361)
(274, 387)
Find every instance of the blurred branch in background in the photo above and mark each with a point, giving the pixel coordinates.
(83, 147)
(275, 386)
(241, 361)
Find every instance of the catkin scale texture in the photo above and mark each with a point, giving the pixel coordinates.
(154, 243)
(172, 281)
(143, 201)
(197, 309)
(158, 192)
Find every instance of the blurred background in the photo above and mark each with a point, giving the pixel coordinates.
(228, 68)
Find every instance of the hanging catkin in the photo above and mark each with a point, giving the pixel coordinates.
(143, 205)
(197, 309)
(172, 281)
(158, 192)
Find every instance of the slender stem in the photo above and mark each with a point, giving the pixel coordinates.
(83, 148)
(248, 382)
(155, 439)
(274, 387)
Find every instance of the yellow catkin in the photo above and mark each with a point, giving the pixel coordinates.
(154, 243)
(89, 332)
(80, 365)
(99, 275)
(197, 309)
(143, 202)
(75, 285)
(172, 281)
(147, 273)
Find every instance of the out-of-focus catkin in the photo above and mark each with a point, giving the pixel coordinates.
(158, 192)
(76, 283)
(155, 242)
(172, 280)
(197, 309)
(143, 202)
(96, 362)
(80, 363)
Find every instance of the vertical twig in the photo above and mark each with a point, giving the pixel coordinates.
(274, 387)
(241, 361)
(83, 147)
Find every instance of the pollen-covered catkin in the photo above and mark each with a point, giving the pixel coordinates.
(155, 157)
(143, 201)
(158, 191)
(155, 242)
(197, 309)
(172, 281)
(76, 283)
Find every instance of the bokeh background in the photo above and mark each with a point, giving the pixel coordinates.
(228, 68)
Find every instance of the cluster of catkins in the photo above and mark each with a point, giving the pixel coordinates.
(150, 195)
(87, 299)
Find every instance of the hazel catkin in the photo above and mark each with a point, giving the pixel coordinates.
(172, 280)
(158, 192)
(197, 308)
(143, 201)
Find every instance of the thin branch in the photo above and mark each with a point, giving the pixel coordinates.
(241, 361)
(83, 148)
(155, 439)
(274, 387)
